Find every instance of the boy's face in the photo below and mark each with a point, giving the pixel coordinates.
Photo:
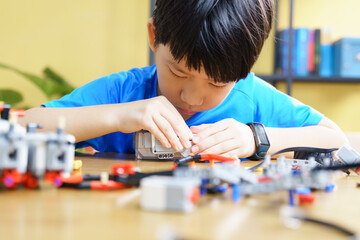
(189, 91)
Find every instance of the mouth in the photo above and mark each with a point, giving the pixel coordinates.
(186, 112)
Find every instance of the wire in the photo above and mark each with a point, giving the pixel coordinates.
(339, 228)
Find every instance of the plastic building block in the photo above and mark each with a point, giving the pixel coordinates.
(162, 193)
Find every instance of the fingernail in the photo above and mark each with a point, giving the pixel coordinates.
(196, 139)
(187, 144)
(191, 135)
(194, 149)
(179, 146)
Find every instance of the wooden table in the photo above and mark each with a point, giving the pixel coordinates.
(52, 213)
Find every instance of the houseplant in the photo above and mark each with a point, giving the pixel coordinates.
(50, 83)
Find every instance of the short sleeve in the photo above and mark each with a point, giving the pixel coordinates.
(277, 109)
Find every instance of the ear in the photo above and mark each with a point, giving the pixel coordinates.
(151, 34)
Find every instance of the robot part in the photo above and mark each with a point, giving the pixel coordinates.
(348, 155)
(27, 156)
(164, 193)
(148, 147)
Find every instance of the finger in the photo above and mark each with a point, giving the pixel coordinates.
(180, 128)
(212, 140)
(233, 154)
(197, 129)
(167, 130)
(210, 130)
(153, 128)
(224, 147)
(175, 118)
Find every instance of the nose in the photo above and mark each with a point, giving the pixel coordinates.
(192, 95)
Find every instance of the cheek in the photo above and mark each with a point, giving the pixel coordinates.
(215, 98)
(167, 86)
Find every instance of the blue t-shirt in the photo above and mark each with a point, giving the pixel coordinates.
(251, 100)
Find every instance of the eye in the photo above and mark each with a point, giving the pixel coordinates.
(177, 76)
(217, 86)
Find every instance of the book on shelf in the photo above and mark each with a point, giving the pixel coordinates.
(326, 51)
(311, 53)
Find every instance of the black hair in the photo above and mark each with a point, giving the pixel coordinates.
(224, 37)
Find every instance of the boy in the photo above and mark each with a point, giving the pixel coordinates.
(204, 53)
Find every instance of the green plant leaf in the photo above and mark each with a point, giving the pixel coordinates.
(10, 96)
(49, 86)
(48, 72)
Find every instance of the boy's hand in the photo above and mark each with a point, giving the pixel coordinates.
(160, 117)
(227, 137)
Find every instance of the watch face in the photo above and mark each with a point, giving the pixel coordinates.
(261, 134)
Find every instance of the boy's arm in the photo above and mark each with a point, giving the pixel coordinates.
(231, 138)
(156, 115)
(324, 135)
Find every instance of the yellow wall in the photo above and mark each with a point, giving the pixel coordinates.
(338, 101)
(81, 40)
(87, 39)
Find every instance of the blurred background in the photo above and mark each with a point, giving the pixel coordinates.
(83, 40)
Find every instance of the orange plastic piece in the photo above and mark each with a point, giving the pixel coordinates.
(123, 168)
(98, 185)
(174, 166)
(306, 198)
(195, 195)
(72, 179)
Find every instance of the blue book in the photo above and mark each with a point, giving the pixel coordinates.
(326, 63)
(302, 51)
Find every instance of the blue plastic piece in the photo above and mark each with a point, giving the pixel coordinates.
(303, 191)
(203, 188)
(235, 192)
(330, 187)
(291, 198)
(221, 188)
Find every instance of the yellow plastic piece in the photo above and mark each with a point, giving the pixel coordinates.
(77, 165)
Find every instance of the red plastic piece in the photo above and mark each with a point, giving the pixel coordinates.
(11, 178)
(98, 185)
(50, 176)
(18, 112)
(30, 181)
(306, 198)
(216, 157)
(124, 168)
(265, 179)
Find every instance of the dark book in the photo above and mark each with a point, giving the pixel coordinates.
(317, 57)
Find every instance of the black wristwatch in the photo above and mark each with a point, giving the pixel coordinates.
(262, 143)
